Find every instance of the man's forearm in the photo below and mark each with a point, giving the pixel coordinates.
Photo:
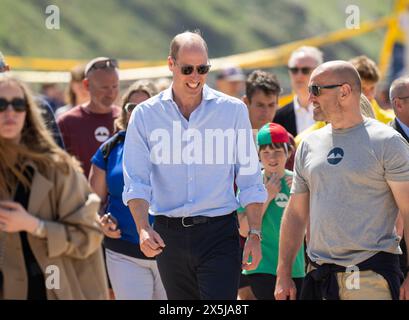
(140, 212)
(292, 234)
(254, 215)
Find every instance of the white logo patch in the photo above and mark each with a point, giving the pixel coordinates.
(101, 134)
(281, 200)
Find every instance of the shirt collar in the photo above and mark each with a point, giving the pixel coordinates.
(404, 127)
(208, 93)
(297, 105)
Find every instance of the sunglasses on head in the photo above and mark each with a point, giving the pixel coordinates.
(130, 106)
(104, 64)
(188, 69)
(18, 104)
(303, 70)
(316, 90)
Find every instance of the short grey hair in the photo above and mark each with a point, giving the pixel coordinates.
(399, 86)
(308, 51)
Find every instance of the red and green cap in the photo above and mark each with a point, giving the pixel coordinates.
(272, 133)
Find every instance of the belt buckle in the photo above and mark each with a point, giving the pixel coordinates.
(186, 225)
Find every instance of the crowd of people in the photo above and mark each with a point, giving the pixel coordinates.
(180, 191)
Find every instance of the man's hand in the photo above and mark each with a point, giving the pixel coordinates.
(404, 290)
(109, 228)
(285, 288)
(150, 242)
(251, 248)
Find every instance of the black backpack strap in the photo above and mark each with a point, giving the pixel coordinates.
(107, 148)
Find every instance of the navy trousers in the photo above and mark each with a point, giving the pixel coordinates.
(202, 261)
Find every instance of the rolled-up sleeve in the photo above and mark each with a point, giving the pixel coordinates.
(247, 166)
(137, 166)
(73, 231)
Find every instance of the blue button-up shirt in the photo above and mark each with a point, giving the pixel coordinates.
(188, 167)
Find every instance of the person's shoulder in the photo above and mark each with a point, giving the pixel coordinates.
(303, 134)
(286, 109)
(378, 130)
(111, 144)
(62, 110)
(57, 174)
(392, 124)
(73, 113)
(117, 137)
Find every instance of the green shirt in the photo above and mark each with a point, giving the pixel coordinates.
(270, 229)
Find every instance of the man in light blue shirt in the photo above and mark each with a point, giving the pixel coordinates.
(184, 150)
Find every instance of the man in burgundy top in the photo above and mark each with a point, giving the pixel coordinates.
(85, 127)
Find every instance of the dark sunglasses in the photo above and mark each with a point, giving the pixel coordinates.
(188, 69)
(110, 63)
(18, 104)
(130, 106)
(402, 98)
(303, 70)
(316, 90)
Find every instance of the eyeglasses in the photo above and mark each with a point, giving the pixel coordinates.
(104, 64)
(316, 90)
(130, 106)
(402, 98)
(18, 104)
(303, 70)
(188, 69)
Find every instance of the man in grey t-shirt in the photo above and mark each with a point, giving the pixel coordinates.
(350, 180)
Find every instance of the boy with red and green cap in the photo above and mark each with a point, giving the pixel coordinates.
(274, 149)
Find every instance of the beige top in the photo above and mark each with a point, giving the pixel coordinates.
(71, 255)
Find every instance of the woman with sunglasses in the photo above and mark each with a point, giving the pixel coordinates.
(133, 276)
(50, 241)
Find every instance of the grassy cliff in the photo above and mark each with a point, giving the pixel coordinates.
(142, 29)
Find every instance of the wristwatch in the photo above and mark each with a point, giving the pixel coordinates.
(256, 232)
(40, 231)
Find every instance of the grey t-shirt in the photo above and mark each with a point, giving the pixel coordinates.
(352, 209)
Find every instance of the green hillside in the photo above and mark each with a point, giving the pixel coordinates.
(142, 29)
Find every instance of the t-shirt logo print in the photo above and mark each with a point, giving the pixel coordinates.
(335, 156)
(281, 200)
(101, 134)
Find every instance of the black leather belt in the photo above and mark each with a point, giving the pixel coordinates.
(185, 222)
